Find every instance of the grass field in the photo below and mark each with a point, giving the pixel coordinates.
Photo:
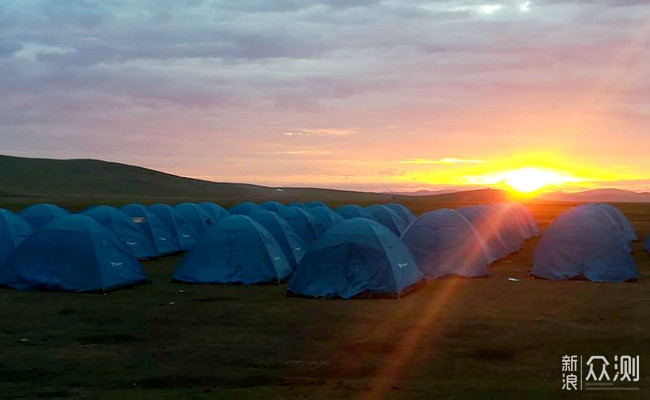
(456, 338)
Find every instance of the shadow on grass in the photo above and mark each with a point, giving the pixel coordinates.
(494, 354)
(214, 381)
(108, 339)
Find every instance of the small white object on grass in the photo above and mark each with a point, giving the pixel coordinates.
(513, 279)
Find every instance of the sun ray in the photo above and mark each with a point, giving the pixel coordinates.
(395, 365)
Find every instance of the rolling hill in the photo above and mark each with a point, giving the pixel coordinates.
(86, 181)
(34, 177)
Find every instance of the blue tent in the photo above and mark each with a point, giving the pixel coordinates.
(402, 211)
(13, 231)
(325, 217)
(621, 222)
(580, 244)
(289, 240)
(183, 234)
(274, 206)
(315, 203)
(480, 219)
(355, 257)
(303, 222)
(353, 211)
(444, 243)
(646, 244)
(511, 232)
(244, 208)
(41, 214)
(606, 217)
(297, 204)
(238, 250)
(156, 231)
(73, 254)
(527, 218)
(389, 218)
(516, 219)
(200, 219)
(121, 224)
(216, 212)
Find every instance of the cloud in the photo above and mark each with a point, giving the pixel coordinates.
(420, 161)
(31, 51)
(392, 172)
(319, 132)
(308, 152)
(482, 9)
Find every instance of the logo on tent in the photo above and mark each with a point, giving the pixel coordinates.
(116, 264)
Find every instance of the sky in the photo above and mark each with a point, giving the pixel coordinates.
(353, 94)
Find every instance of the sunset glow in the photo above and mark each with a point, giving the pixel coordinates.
(527, 180)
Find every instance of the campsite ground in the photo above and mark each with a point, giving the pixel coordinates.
(479, 338)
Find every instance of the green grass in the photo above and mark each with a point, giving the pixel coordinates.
(466, 339)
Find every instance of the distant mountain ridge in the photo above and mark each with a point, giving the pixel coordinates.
(425, 192)
(599, 195)
(609, 195)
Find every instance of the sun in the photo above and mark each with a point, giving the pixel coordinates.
(529, 180)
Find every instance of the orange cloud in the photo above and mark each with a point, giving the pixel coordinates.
(319, 132)
(441, 161)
